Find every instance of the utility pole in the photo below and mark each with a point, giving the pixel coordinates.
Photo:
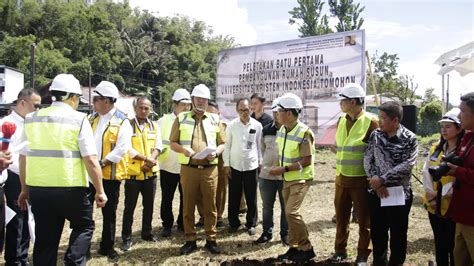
(90, 88)
(32, 62)
(447, 94)
(442, 94)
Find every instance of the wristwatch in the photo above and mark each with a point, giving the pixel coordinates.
(101, 163)
(287, 169)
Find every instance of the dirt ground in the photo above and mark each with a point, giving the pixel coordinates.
(238, 248)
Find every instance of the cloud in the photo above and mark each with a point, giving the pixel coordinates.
(224, 16)
(381, 29)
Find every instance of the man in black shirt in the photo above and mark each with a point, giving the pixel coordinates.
(256, 105)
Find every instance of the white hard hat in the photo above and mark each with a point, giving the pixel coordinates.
(66, 83)
(202, 91)
(290, 101)
(181, 95)
(106, 89)
(451, 116)
(275, 104)
(351, 91)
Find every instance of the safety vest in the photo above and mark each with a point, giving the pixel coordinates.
(54, 158)
(114, 171)
(289, 151)
(167, 123)
(444, 180)
(351, 147)
(144, 143)
(187, 123)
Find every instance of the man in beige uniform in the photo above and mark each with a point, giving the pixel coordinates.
(191, 133)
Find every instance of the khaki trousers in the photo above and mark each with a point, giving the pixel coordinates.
(221, 196)
(343, 199)
(199, 184)
(293, 195)
(464, 245)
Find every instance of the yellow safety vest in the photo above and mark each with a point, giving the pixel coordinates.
(187, 123)
(54, 158)
(444, 180)
(114, 171)
(166, 126)
(144, 143)
(351, 147)
(289, 151)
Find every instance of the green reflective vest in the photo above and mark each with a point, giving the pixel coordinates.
(187, 123)
(289, 151)
(166, 124)
(351, 147)
(53, 158)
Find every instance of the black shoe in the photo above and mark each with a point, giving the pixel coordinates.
(285, 241)
(126, 245)
(263, 239)
(165, 232)
(251, 231)
(333, 219)
(212, 247)
(180, 229)
(200, 223)
(361, 259)
(110, 253)
(338, 257)
(188, 247)
(150, 238)
(233, 229)
(220, 224)
(303, 256)
(288, 255)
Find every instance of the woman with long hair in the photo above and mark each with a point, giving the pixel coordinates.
(438, 186)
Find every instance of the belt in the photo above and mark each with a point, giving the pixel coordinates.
(201, 166)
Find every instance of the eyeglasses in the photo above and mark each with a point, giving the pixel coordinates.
(37, 106)
(241, 111)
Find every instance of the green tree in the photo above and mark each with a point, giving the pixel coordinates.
(309, 17)
(347, 14)
(429, 115)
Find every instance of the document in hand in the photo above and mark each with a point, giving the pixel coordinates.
(204, 153)
(396, 197)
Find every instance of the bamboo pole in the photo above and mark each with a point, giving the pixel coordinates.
(372, 80)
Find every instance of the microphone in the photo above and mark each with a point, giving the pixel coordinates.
(8, 129)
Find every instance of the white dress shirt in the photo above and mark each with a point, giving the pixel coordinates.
(19, 121)
(158, 143)
(171, 164)
(123, 140)
(85, 138)
(243, 149)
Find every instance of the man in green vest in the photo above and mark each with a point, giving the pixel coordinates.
(353, 131)
(296, 164)
(53, 172)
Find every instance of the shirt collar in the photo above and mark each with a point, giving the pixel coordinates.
(109, 114)
(15, 116)
(61, 104)
(362, 112)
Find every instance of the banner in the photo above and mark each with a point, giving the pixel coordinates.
(314, 68)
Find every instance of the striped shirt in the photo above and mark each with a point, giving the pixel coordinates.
(392, 158)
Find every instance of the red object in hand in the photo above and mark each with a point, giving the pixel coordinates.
(8, 129)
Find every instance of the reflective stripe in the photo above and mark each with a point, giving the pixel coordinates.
(291, 137)
(166, 142)
(54, 153)
(290, 160)
(350, 162)
(351, 148)
(185, 142)
(53, 119)
(187, 122)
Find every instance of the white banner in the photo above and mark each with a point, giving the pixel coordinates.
(314, 68)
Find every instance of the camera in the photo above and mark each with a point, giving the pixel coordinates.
(442, 169)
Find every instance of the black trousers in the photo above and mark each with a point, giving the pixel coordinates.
(51, 207)
(109, 212)
(168, 184)
(247, 180)
(17, 238)
(383, 220)
(443, 230)
(133, 188)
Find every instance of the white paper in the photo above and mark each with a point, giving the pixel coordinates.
(31, 224)
(447, 189)
(204, 153)
(396, 197)
(9, 214)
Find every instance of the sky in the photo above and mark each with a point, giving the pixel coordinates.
(418, 31)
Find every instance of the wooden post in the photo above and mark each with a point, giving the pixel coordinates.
(372, 80)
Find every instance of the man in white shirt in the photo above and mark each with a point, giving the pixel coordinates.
(242, 158)
(112, 132)
(17, 237)
(5, 161)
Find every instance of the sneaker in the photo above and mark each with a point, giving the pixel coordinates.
(220, 224)
(110, 253)
(263, 239)
(288, 255)
(126, 245)
(251, 231)
(338, 257)
(285, 241)
(165, 232)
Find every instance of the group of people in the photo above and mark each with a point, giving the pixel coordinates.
(72, 160)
